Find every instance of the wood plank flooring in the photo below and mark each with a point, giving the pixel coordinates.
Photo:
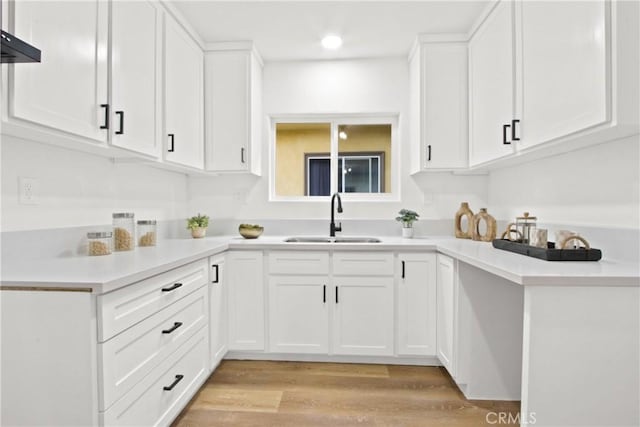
(257, 393)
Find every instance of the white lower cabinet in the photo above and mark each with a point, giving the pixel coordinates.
(218, 309)
(245, 282)
(416, 304)
(447, 296)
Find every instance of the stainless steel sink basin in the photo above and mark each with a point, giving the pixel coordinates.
(332, 240)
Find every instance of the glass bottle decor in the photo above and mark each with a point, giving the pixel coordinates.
(464, 213)
(490, 232)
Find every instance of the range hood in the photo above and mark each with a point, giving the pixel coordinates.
(15, 50)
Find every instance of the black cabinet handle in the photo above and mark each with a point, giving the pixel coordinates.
(175, 326)
(106, 116)
(121, 130)
(514, 136)
(324, 294)
(403, 269)
(505, 129)
(336, 294)
(429, 153)
(217, 279)
(173, 384)
(171, 142)
(242, 154)
(172, 288)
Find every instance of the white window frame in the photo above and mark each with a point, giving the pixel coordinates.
(335, 121)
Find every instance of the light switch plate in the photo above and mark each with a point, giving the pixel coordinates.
(28, 190)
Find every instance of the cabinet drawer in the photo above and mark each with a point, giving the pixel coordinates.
(149, 403)
(125, 307)
(131, 355)
(298, 263)
(363, 264)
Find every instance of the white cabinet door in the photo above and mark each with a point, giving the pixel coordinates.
(135, 60)
(416, 304)
(443, 107)
(298, 314)
(67, 90)
(217, 310)
(446, 312)
(232, 97)
(183, 97)
(363, 316)
(565, 52)
(245, 284)
(491, 81)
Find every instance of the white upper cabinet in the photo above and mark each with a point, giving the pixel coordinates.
(565, 85)
(233, 85)
(67, 89)
(438, 106)
(491, 87)
(135, 76)
(183, 97)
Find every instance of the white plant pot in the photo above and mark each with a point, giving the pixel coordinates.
(407, 232)
(198, 232)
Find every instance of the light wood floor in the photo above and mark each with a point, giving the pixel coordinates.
(249, 393)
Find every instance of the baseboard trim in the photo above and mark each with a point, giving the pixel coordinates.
(287, 357)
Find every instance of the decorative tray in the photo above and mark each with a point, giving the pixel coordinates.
(550, 253)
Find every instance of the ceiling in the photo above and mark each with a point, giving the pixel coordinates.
(292, 30)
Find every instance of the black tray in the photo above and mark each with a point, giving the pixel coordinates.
(550, 253)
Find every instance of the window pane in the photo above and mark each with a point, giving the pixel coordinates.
(302, 159)
(367, 151)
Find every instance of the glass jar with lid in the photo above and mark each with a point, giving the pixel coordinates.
(123, 231)
(100, 243)
(147, 232)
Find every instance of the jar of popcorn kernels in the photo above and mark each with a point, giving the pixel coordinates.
(147, 232)
(123, 231)
(100, 243)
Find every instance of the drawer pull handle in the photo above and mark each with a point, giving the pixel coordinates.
(175, 326)
(173, 384)
(217, 279)
(172, 288)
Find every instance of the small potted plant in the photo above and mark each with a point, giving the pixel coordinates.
(407, 218)
(198, 225)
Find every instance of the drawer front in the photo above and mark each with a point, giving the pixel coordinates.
(131, 355)
(363, 264)
(125, 307)
(298, 263)
(149, 403)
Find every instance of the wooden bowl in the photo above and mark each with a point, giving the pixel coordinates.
(249, 231)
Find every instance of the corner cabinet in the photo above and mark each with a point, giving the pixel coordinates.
(218, 303)
(245, 282)
(135, 76)
(416, 278)
(233, 120)
(183, 97)
(438, 105)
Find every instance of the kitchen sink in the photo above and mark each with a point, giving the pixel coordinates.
(332, 240)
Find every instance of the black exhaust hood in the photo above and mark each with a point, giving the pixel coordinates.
(15, 50)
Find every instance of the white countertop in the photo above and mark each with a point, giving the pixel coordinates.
(106, 273)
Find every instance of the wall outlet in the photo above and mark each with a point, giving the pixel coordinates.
(28, 190)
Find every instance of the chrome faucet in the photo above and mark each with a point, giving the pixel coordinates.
(332, 227)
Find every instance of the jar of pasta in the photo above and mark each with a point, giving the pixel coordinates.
(123, 231)
(100, 243)
(147, 232)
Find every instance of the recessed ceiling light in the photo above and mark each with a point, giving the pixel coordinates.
(331, 42)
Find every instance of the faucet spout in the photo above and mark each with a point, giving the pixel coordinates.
(332, 226)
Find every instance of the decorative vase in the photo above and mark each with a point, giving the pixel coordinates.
(407, 232)
(464, 212)
(198, 232)
(490, 221)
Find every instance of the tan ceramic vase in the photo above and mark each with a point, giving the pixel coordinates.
(465, 212)
(490, 233)
(198, 232)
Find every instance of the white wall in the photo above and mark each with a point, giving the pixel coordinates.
(336, 87)
(597, 186)
(78, 189)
